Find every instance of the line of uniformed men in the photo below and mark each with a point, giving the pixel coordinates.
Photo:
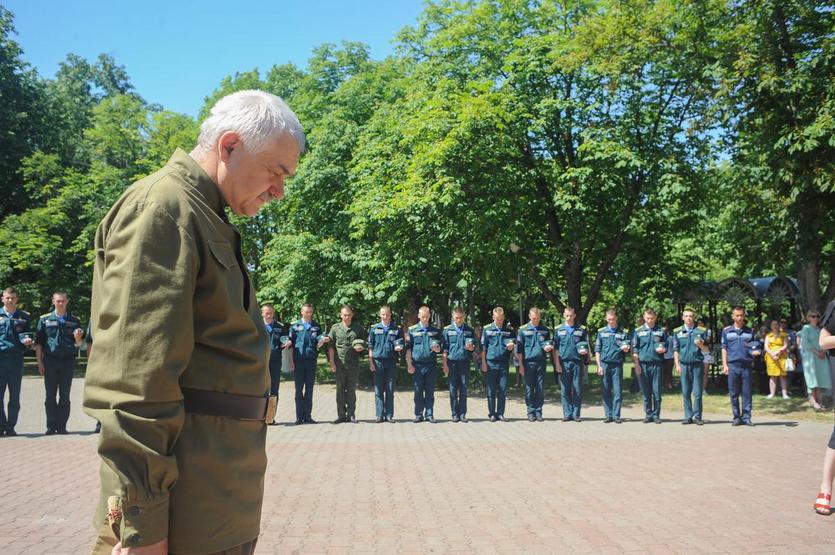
(56, 339)
(533, 344)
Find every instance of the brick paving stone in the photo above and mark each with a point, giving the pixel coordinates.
(479, 487)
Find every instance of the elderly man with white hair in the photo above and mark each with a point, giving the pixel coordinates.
(179, 376)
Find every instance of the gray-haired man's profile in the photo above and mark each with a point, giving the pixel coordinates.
(178, 379)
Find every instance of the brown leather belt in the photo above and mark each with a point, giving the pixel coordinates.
(230, 405)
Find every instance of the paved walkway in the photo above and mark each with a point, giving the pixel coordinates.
(480, 487)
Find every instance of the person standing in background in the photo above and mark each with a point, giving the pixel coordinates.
(57, 340)
(15, 340)
(279, 340)
(776, 350)
(815, 366)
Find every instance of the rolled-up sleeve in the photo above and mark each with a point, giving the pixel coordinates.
(144, 284)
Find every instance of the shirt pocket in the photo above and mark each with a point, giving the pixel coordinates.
(225, 278)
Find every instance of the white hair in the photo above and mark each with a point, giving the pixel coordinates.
(257, 116)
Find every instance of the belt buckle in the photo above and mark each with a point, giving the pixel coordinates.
(272, 408)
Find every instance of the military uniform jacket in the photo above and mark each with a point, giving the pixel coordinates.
(381, 340)
(173, 307)
(419, 340)
(305, 341)
(493, 342)
(342, 342)
(684, 343)
(739, 343)
(566, 341)
(608, 344)
(454, 342)
(529, 341)
(276, 331)
(55, 335)
(11, 326)
(645, 340)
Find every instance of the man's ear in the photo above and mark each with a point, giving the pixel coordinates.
(226, 144)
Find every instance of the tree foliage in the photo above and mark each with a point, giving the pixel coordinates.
(513, 152)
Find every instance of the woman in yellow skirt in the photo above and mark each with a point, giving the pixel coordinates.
(776, 349)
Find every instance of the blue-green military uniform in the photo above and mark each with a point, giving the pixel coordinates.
(55, 336)
(567, 341)
(529, 343)
(691, 360)
(276, 330)
(608, 344)
(455, 340)
(494, 342)
(424, 359)
(739, 342)
(12, 328)
(382, 340)
(644, 342)
(305, 339)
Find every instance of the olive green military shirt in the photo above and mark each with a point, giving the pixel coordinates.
(342, 342)
(173, 307)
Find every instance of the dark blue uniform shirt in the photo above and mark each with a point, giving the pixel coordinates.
(494, 342)
(419, 340)
(454, 340)
(566, 340)
(529, 341)
(11, 327)
(608, 343)
(381, 340)
(305, 339)
(55, 334)
(739, 342)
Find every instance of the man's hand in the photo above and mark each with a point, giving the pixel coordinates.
(410, 369)
(333, 368)
(41, 369)
(159, 548)
(725, 369)
(678, 369)
(372, 365)
(446, 370)
(599, 370)
(637, 369)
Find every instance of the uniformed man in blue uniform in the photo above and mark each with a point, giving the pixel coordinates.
(279, 340)
(689, 346)
(459, 344)
(57, 339)
(15, 339)
(385, 343)
(306, 338)
(571, 344)
(739, 347)
(423, 343)
(533, 346)
(649, 343)
(610, 348)
(497, 346)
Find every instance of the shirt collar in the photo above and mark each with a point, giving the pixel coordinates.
(194, 175)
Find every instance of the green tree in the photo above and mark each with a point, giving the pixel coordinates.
(778, 98)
